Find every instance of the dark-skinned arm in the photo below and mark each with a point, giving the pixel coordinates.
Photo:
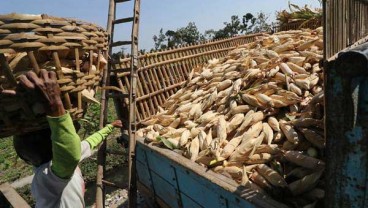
(66, 146)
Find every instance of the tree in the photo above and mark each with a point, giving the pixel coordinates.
(159, 40)
(184, 35)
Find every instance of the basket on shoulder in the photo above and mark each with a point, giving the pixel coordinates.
(72, 48)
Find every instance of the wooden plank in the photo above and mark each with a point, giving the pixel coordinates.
(12, 196)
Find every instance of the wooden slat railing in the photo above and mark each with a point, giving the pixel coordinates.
(162, 73)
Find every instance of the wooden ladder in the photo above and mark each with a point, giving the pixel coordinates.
(119, 95)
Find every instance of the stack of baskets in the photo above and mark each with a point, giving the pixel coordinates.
(74, 49)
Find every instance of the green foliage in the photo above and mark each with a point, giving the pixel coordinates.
(247, 24)
(11, 166)
(184, 35)
(25, 193)
(189, 34)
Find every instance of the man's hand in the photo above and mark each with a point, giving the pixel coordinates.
(117, 124)
(46, 85)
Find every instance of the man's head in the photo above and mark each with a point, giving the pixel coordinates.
(34, 148)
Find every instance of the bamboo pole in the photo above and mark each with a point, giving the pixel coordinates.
(101, 155)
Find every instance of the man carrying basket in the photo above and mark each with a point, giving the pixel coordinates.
(56, 152)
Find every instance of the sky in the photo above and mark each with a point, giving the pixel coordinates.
(155, 14)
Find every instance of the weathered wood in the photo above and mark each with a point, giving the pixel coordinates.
(345, 22)
(14, 199)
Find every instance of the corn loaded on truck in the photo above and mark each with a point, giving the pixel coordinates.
(172, 180)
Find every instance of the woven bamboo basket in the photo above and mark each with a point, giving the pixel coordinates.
(74, 49)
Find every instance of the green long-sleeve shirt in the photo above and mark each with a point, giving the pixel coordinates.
(66, 144)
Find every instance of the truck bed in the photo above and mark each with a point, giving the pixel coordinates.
(171, 180)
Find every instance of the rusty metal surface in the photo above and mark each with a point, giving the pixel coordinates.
(347, 129)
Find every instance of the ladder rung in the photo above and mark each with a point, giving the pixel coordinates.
(117, 95)
(121, 1)
(123, 20)
(121, 70)
(121, 43)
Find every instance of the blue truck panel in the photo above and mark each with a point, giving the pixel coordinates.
(174, 181)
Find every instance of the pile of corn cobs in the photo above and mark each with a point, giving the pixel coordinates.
(255, 116)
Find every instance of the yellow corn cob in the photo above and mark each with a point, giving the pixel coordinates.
(313, 79)
(204, 157)
(251, 100)
(221, 129)
(296, 68)
(165, 120)
(245, 179)
(184, 138)
(184, 108)
(239, 155)
(196, 94)
(305, 161)
(299, 172)
(240, 109)
(289, 132)
(258, 142)
(194, 149)
(274, 124)
(194, 132)
(253, 131)
(305, 184)
(286, 69)
(195, 112)
(201, 138)
(313, 137)
(310, 54)
(273, 177)
(209, 101)
(289, 145)
(190, 124)
(224, 84)
(307, 122)
(174, 141)
(236, 86)
(206, 117)
(231, 146)
(307, 44)
(259, 159)
(208, 139)
(260, 180)
(271, 54)
(175, 123)
(246, 121)
(268, 133)
(284, 47)
(235, 122)
(257, 117)
(265, 148)
(298, 60)
(264, 99)
(295, 89)
(206, 74)
(273, 71)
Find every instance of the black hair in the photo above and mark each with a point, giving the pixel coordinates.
(35, 148)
